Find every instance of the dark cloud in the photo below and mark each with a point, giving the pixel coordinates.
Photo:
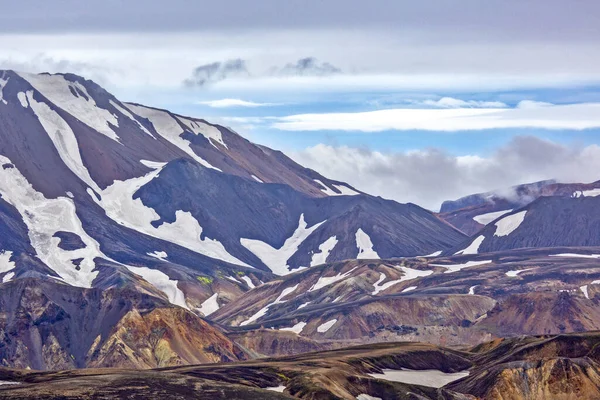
(308, 66)
(428, 177)
(217, 71)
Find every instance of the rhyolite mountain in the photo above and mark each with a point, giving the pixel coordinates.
(471, 213)
(176, 215)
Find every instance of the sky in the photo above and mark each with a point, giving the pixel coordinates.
(416, 101)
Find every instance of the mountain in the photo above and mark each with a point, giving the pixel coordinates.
(102, 196)
(527, 367)
(471, 213)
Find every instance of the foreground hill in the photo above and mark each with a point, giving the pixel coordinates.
(548, 367)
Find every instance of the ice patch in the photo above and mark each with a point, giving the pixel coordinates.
(63, 138)
(59, 91)
(43, 218)
(365, 246)
(326, 281)
(211, 133)
(485, 219)
(263, 311)
(508, 225)
(457, 267)
(431, 377)
(248, 282)
(473, 248)
(167, 127)
(296, 328)
(325, 249)
(162, 282)
(161, 255)
(276, 259)
(209, 305)
(326, 326)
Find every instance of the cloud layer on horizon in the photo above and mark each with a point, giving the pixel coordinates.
(428, 177)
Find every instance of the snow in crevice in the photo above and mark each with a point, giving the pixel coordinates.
(330, 280)
(257, 179)
(3, 83)
(450, 268)
(325, 249)
(296, 328)
(43, 218)
(6, 265)
(168, 127)
(263, 311)
(485, 219)
(248, 281)
(59, 91)
(326, 326)
(211, 133)
(473, 248)
(409, 274)
(160, 255)
(277, 259)
(365, 246)
(64, 139)
(128, 114)
(343, 190)
(162, 282)
(210, 305)
(120, 206)
(508, 225)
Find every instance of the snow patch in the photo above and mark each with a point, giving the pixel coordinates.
(168, 127)
(587, 193)
(584, 289)
(6, 265)
(472, 289)
(514, 273)
(63, 138)
(296, 328)
(279, 389)
(325, 249)
(409, 274)
(257, 179)
(435, 254)
(209, 305)
(343, 190)
(457, 267)
(367, 397)
(326, 326)
(126, 113)
(43, 218)
(303, 305)
(508, 225)
(409, 289)
(8, 277)
(429, 377)
(211, 133)
(23, 99)
(326, 281)
(162, 282)
(263, 311)
(365, 246)
(485, 219)
(248, 282)
(473, 248)
(3, 83)
(82, 106)
(276, 259)
(161, 255)
(575, 255)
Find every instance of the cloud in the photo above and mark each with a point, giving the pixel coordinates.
(428, 177)
(216, 72)
(573, 116)
(451, 102)
(226, 103)
(308, 66)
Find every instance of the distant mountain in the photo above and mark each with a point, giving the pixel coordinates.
(99, 194)
(471, 213)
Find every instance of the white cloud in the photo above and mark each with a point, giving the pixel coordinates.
(428, 177)
(450, 102)
(573, 116)
(226, 103)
